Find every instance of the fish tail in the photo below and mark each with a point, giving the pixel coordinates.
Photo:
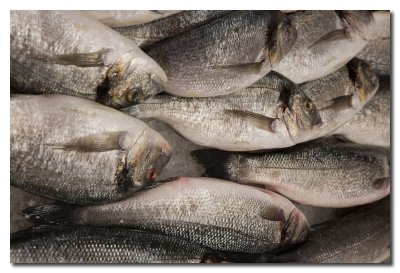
(214, 161)
(53, 214)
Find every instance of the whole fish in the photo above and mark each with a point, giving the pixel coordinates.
(214, 213)
(256, 118)
(123, 18)
(224, 55)
(360, 237)
(377, 51)
(320, 174)
(371, 125)
(66, 52)
(78, 151)
(325, 43)
(150, 33)
(101, 245)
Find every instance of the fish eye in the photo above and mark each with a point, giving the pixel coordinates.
(308, 105)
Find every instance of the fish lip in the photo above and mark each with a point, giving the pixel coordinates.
(295, 230)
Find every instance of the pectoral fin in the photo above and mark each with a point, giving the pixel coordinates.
(257, 120)
(79, 59)
(240, 68)
(339, 103)
(100, 142)
(326, 40)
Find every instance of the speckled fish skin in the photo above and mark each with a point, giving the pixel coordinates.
(311, 57)
(360, 237)
(214, 213)
(150, 33)
(78, 151)
(123, 18)
(225, 55)
(377, 51)
(259, 117)
(371, 126)
(66, 52)
(101, 245)
(332, 175)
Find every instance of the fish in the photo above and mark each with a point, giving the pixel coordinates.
(371, 126)
(377, 51)
(256, 118)
(89, 245)
(78, 151)
(362, 236)
(218, 214)
(225, 55)
(326, 173)
(66, 52)
(124, 18)
(325, 43)
(147, 34)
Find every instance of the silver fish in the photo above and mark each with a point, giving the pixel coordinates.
(325, 43)
(78, 151)
(320, 174)
(214, 213)
(124, 18)
(66, 52)
(377, 51)
(226, 54)
(150, 33)
(256, 118)
(371, 125)
(101, 245)
(360, 237)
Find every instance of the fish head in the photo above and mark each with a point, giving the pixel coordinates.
(295, 230)
(281, 40)
(132, 80)
(299, 113)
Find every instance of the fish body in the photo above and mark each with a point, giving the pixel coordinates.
(100, 245)
(320, 174)
(66, 52)
(359, 237)
(224, 55)
(150, 33)
(214, 213)
(78, 151)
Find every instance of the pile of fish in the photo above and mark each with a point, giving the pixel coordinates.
(200, 136)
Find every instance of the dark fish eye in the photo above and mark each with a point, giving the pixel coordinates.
(308, 105)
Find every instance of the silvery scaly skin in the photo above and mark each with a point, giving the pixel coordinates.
(150, 33)
(224, 55)
(256, 118)
(101, 245)
(371, 125)
(325, 42)
(320, 174)
(123, 18)
(360, 237)
(214, 213)
(78, 151)
(377, 51)
(66, 52)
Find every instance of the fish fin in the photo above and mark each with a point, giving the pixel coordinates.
(260, 121)
(338, 103)
(213, 161)
(240, 68)
(100, 142)
(274, 213)
(53, 214)
(30, 231)
(92, 59)
(336, 35)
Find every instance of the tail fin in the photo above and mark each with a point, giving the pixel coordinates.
(53, 214)
(214, 161)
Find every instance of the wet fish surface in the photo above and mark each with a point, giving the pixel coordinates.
(214, 213)
(66, 52)
(320, 174)
(224, 55)
(256, 118)
(360, 237)
(123, 18)
(326, 42)
(101, 245)
(150, 33)
(371, 126)
(78, 151)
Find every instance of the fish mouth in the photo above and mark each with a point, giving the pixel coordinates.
(295, 230)
(364, 79)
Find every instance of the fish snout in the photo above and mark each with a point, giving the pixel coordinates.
(296, 228)
(365, 80)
